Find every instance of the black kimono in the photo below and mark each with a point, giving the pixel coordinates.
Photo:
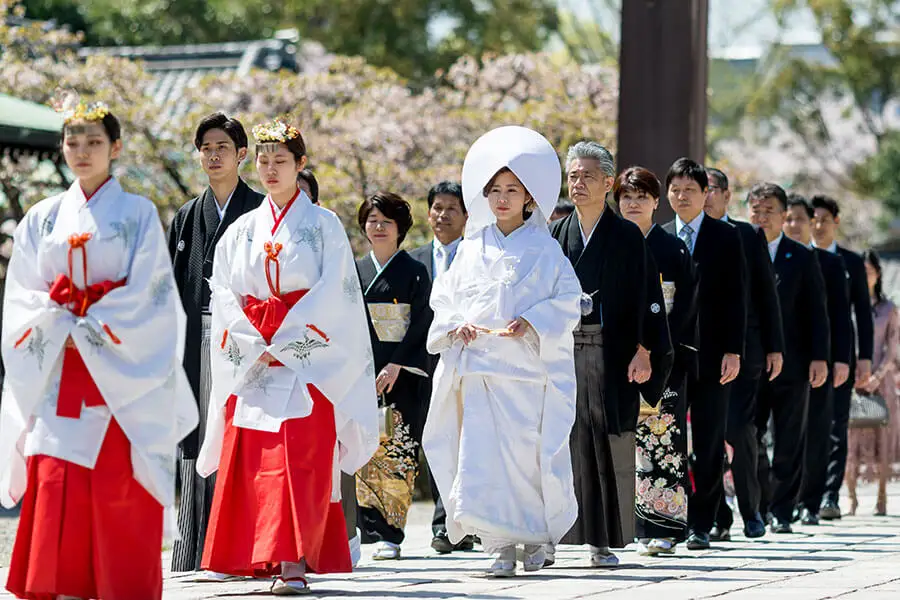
(384, 486)
(192, 240)
(616, 270)
(662, 484)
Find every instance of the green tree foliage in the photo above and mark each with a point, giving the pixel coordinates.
(862, 74)
(413, 37)
(879, 174)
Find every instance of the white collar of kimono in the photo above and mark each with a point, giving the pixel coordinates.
(221, 209)
(110, 185)
(528, 155)
(378, 267)
(302, 202)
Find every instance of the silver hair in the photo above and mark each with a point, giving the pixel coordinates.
(592, 150)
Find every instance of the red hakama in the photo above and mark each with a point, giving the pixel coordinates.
(272, 502)
(88, 533)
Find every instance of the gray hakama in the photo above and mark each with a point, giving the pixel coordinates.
(196, 491)
(603, 464)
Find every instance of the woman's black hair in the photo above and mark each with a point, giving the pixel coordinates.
(526, 209)
(391, 206)
(871, 257)
(110, 125)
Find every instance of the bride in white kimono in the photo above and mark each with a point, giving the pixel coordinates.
(95, 398)
(503, 405)
(293, 397)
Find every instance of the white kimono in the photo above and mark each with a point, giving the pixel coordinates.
(497, 434)
(323, 341)
(131, 340)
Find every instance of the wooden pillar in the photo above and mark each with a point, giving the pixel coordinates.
(663, 68)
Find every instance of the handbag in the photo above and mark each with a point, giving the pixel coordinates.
(385, 419)
(867, 410)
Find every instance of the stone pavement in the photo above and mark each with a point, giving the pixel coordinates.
(854, 558)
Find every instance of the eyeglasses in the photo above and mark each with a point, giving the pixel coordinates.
(715, 187)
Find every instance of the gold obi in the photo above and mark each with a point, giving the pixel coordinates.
(647, 410)
(390, 320)
(668, 290)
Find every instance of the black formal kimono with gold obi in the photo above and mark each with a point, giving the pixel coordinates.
(397, 300)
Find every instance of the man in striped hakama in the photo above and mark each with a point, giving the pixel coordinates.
(198, 225)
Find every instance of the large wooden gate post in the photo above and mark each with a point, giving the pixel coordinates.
(663, 68)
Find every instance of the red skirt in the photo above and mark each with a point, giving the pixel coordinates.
(272, 502)
(88, 533)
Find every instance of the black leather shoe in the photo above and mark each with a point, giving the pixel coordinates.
(830, 511)
(465, 544)
(755, 528)
(719, 534)
(780, 526)
(440, 543)
(807, 517)
(698, 541)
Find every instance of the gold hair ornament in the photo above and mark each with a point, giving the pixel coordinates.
(275, 132)
(73, 109)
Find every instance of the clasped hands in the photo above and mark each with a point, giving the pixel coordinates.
(467, 333)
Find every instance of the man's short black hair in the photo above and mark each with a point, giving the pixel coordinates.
(564, 206)
(826, 202)
(768, 190)
(232, 127)
(691, 169)
(310, 179)
(720, 177)
(798, 200)
(447, 188)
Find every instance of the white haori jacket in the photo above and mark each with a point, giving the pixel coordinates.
(323, 341)
(131, 340)
(502, 409)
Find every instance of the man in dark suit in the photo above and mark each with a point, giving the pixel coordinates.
(221, 144)
(798, 227)
(722, 299)
(764, 353)
(447, 218)
(826, 219)
(801, 292)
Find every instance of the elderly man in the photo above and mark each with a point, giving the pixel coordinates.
(613, 346)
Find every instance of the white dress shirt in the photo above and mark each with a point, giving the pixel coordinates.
(832, 248)
(442, 256)
(773, 246)
(695, 228)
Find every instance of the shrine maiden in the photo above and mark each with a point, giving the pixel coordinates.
(293, 395)
(95, 397)
(497, 433)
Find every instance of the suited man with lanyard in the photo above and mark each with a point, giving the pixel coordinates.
(826, 218)
(447, 219)
(221, 143)
(807, 337)
(798, 227)
(763, 356)
(722, 297)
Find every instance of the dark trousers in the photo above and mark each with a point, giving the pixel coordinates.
(741, 430)
(786, 401)
(439, 518)
(837, 460)
(818, 446)
(709, 410)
